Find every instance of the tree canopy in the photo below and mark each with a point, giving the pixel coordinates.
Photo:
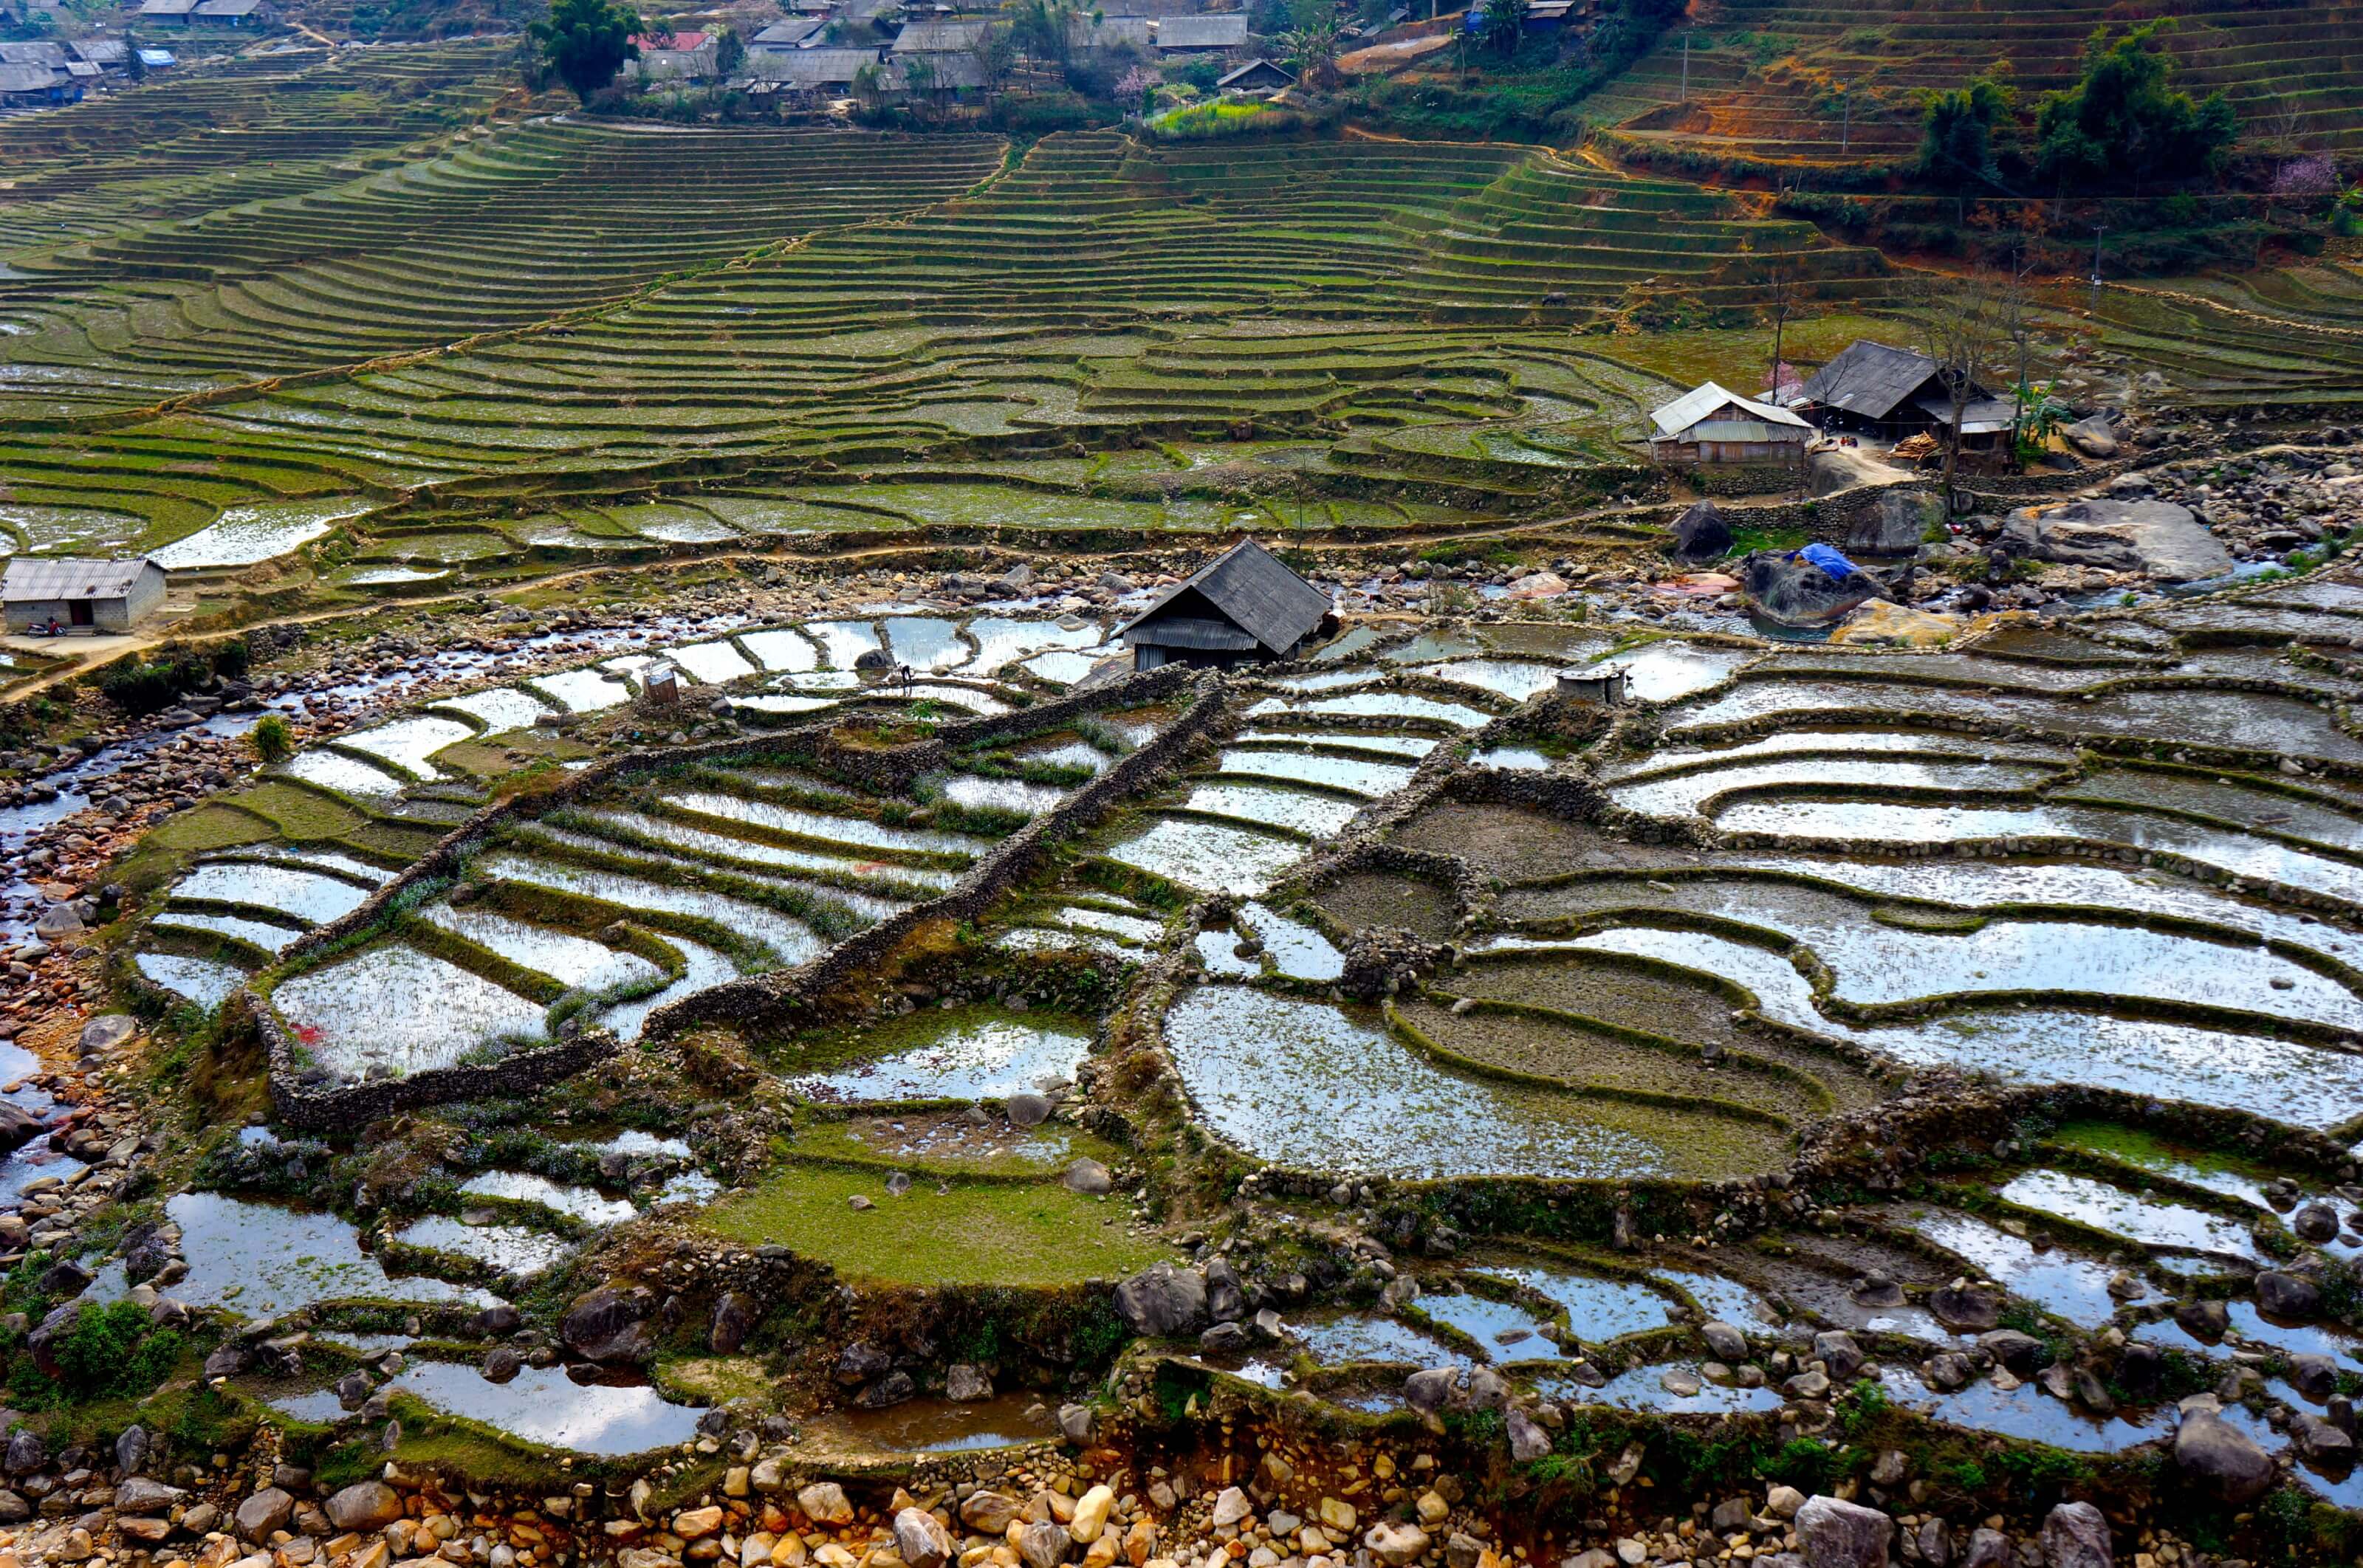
(585, 42)
(2124, 117)
(1504, 25)
(1960, 143)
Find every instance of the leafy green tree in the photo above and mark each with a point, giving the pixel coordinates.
(585, 42)
(1045, 30)
(134, 68)
(1312, 51)
(2123, 116)
(1505, 25)
(729, 54)
(1960, 132)
(869, 85)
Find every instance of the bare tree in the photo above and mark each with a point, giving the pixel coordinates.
(1963, 329)
(2016, 298)
(1781, 289)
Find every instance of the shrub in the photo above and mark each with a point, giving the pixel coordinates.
(103, 1350)
(273, 740)
(2123, 116)
(155, 684)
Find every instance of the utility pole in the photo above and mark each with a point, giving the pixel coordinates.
(1686, 65)
(2098, 229)
(1845, 117)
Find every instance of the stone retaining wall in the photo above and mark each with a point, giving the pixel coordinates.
(778, 1000)
(349, 1107)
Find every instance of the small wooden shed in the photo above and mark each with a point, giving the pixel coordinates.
(1243, 608)
(80, 595)
(1712, 424)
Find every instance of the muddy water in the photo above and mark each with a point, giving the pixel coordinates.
(201, 980)
(1643, 1388)
(399, 1009)
(1598, 1309)
(1505, 1330)
(1335, 1339)
(2026, 1412)
(2056, 1280)
(944, 1426)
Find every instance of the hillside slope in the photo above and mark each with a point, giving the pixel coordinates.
(1769, 79)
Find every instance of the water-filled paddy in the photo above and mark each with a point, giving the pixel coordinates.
(944, 1426)
(2025, 1412)
(788, 940)
(2154, 1222)
(1288, 810)
(961, 1053)
(1353, 774)
(1310, 1085)
(2058, 1281)
(261, 1260)
(575, 962)
(577, 1202)
(1208, 856)
(1598, 1307)
(201, 980)
(1373, 705)
(399, 1010)
(305, 896)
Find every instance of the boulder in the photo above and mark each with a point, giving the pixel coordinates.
(132, 1450)
(1897, 524)
(2094, 436)
(1967, 1307)
(1835, 1347)
(2209, 1320)
(140, 1495)
(1163, 1302)
(1225, 1301)
(2287, 1295)
(1835, 1534)
(1797, 593)
(1429, 1389)
(1398, 1545)
(2315, 1377)
(2315, 1222)
(1879, 624)
(502, 1365)
(2221, 1457)
(106, 1032)
(1529, 1442)
(1724, 1340)
(1077, 1425)
(1092, 1511)
(966, 1381)
(605, 1325)
(825, 1503)
(2015, 1351)
(1701, 534)
(1089, 1177)
(263, 1512)
(365, 1505)
(989, 1513)
(1538, 585)
(1027, 1108)
(17, 1127)
(2075, 1536)
(1987, 1549)
(920, 1540)
(734, 1319)
(2156, 537)
(1043, 1544)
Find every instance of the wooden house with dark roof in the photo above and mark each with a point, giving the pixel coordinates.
(1893, 392)
(1245, 607)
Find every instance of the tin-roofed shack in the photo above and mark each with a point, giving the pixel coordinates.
(80, 595)
(1243, 608)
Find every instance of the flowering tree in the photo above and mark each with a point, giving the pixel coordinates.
(1136, 85)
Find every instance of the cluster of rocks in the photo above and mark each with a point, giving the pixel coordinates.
(95, 1141)
(2264, 505)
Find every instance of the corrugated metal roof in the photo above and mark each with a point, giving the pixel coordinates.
(27, 78)
(940, 38)
(65, 578)
(811, 67)
(1186, 632)
(1979, 416)
(1708, 398)
(1255, 68)
(1749, 430)
(1249, 586)
(1225, 29)
(52, 55)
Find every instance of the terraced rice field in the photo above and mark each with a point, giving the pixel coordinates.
(1767, 78)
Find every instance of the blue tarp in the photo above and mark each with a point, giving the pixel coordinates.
(1828, 559)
